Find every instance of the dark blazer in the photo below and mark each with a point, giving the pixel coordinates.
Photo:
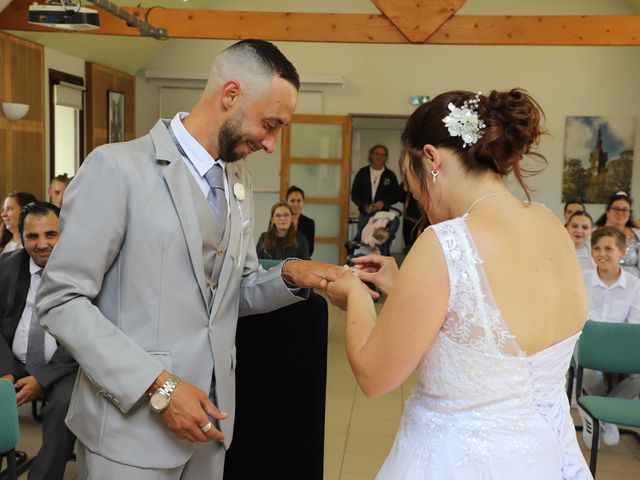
(388, 189)
(307, 227)
(281, 253)
(14, 287)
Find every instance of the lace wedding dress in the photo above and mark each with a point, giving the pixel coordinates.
(482, 408)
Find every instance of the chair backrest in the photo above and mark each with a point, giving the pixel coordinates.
(610, 347)
(8, 416)
(267, 263)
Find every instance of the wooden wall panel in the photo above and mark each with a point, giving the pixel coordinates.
(26, 147)
(3, 164)
(22, 155)
(100, 80)
(28, 66)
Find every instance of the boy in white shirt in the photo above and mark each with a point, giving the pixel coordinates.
(614, 296)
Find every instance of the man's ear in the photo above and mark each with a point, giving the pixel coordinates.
(230, 91)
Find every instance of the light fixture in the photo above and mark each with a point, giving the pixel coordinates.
(14, 111)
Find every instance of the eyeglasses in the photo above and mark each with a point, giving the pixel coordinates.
(281, 215)
(620, 210)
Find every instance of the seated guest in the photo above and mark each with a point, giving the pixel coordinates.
(571, 207)
(282, 240)
(29, 357)
(618, 214)
(579, 225)
(56, 189)
(11, 207)
(614, 296)
(304, 224)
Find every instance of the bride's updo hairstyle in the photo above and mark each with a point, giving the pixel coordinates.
(512, 128)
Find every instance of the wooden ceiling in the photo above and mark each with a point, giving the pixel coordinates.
(399, 22)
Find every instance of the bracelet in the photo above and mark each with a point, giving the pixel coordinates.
(288, 283)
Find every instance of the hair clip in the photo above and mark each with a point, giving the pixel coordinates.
(464, 121)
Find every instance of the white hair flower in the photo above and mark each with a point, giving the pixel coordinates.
(464, 121)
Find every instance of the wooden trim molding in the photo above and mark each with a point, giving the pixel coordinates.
(401, 21)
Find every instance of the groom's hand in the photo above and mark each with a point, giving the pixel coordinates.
(187, 414)
(311, 274)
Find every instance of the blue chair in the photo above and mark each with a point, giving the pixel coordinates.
(8, 428)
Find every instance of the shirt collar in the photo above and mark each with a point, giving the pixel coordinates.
(196, 154)
(33, 267)
(597, 282)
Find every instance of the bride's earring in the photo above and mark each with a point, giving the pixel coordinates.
(434, 174)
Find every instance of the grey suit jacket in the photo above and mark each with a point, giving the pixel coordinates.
(125, 291)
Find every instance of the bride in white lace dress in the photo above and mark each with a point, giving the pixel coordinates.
(487, 306)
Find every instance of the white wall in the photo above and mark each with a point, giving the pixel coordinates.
(380, 78)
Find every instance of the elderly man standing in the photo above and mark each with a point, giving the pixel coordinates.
(155, 263)
(29, 357)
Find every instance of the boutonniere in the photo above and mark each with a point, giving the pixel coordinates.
(238, 191)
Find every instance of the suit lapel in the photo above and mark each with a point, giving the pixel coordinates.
(178, 179)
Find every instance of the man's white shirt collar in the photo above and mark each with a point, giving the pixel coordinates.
(196, 154)
(33, 266)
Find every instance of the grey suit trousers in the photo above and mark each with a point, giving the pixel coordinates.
(57, 439)
(207, 463)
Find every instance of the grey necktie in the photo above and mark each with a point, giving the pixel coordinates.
(216, 198)
(35, 347)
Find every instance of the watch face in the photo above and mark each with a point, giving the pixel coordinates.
(158, 402)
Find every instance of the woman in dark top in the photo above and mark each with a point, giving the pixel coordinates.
(282, 240)
(375, 187)
(304, 224)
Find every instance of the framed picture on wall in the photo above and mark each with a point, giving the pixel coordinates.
(115, 120)
(598, 157)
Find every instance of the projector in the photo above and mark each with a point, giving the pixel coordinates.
(66, 17)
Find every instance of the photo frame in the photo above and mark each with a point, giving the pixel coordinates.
(598, 157)
(115, 120)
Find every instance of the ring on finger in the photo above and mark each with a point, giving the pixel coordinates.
(206, 428)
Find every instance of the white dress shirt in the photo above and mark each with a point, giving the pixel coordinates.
(21, 338)
(198, 160)
(10, 247)
(374, 175)
(585, 259)
(617, 303)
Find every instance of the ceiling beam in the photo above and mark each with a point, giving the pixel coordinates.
(359, 28)
(417, 20)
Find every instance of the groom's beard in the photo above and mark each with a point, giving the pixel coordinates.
(229, 138)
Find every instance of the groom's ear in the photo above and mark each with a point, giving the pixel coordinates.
(230, 93)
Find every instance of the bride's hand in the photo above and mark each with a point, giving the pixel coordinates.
(377, 269)
(339, 290)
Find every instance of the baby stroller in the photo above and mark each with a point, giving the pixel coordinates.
(376, 236)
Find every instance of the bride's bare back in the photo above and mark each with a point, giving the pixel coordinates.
(532, 270)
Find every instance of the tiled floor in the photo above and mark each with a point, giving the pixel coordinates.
(360, 431)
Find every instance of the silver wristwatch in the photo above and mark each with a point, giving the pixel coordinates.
(161, 398)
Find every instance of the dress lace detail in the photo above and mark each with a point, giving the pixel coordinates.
(477, 324)
(482, 409)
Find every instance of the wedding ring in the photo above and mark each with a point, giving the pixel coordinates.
(354, 272)
(206, 428)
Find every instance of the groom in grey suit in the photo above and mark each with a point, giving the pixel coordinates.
(155, 263)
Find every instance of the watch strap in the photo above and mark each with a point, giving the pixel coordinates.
(170, 385)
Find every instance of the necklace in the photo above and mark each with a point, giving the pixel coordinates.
(482, 199)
